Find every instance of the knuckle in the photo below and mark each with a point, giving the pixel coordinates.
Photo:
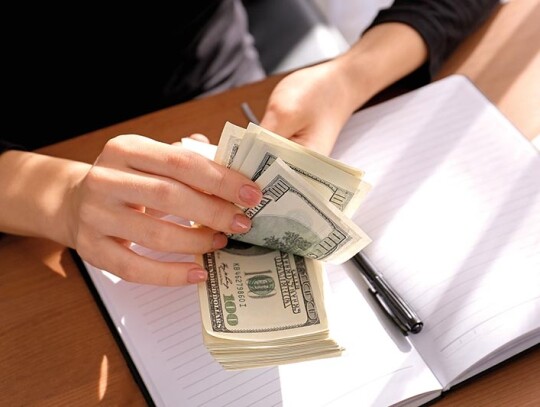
(119, 144)
(92, 180)
(126, 269)
(201, 240)
(284, 110)
(216, 177)
(162, 190)
(156, 237)
(216, 217)
(86, 212)
(288, 113)
(186, 161)
(126, 266)
(221, 182)
(124, 139)
(115, 144)
(169, 281)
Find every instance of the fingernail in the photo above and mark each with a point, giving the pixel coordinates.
(196, 275)
(220, 241)
(240, 223)
(250, 195)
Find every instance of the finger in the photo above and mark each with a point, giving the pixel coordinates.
(130, 266)
(125, 192)
(201, 147)
(200, 137)
(149, 156)
(162, 235)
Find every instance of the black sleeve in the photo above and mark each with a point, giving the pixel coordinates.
(6, 145)
(443, 24)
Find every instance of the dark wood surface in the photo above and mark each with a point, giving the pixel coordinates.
(55, 347)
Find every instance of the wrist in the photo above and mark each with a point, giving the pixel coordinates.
(38, 199)
(66, 201)
(355, 78)
(383, 55)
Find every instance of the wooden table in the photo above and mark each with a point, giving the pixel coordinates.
(55, 347)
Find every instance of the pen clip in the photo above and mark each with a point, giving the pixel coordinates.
(389, 313)
(394, 306)
(407, 318)
(383, 303)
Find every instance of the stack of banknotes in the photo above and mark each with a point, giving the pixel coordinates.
(264, 302)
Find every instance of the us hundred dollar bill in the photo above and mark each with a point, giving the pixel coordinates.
(262, 307)
(254, 293)
(293, 218)
(307, 196)
(251, 151)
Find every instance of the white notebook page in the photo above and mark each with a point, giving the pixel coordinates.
(455, 218)
(405, 148)
(161, 328)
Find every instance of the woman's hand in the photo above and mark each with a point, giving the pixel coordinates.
(311, 105)
(101, 209)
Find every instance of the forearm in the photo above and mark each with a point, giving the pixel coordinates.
(443, 24)
(34, 194)
(311, 105)
(383, 55)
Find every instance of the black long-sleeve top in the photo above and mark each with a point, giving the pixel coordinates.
(79, 70)
(443, 24)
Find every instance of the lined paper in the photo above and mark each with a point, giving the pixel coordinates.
(161, 327)
(454, 215)
(455, 219)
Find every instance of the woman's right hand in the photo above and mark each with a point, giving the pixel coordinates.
(101, 209)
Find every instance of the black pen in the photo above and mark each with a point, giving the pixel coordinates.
(390, 301)
(246, 109)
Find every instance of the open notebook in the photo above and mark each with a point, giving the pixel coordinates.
(454, 215)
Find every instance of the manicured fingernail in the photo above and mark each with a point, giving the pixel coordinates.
(220, 241)
(240, 223)
(196, 275)
(250, 195)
